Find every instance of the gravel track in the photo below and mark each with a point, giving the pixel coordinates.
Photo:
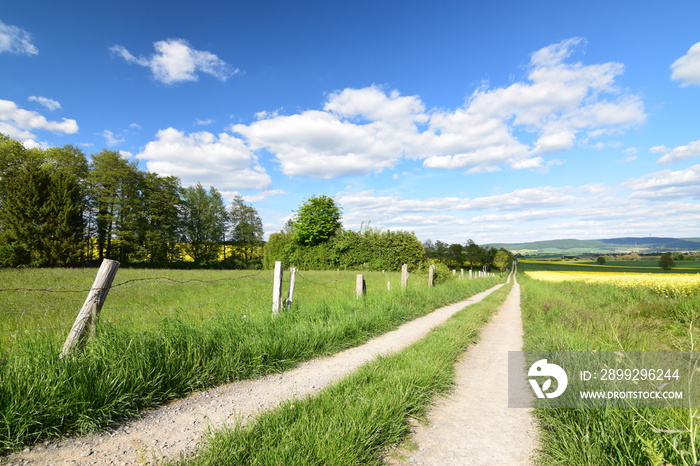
(473, 425)
(179, 427)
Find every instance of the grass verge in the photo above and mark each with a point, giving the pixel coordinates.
(571, 316)
(124, 371)
(357, 420)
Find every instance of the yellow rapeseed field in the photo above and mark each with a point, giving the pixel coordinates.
(671, 285)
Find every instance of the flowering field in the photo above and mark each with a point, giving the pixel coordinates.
(671, 285)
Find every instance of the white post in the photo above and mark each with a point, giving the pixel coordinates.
(431, 275)
(292, 279)
(360, 286)
(404, 276)
(277, 288)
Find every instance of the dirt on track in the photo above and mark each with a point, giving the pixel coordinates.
(179, 427)
(473, 425)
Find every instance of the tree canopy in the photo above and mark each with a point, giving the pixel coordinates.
(316, 221)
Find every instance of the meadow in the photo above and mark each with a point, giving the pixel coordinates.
(164, 334)
(581, 315)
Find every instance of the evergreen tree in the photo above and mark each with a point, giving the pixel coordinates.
(204, 220)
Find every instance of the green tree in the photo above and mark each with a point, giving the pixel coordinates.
(246, 228)
(502, 259)
(600, 260)
(204, 220)
(114, 192)
(475, 255)
(42, 203)
(317, 220)
(666, 262)
(160, 226)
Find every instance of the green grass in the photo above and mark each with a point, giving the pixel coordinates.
(611, 266)
(142, 299)
(358, 420)
(577, 316)
(183, 346)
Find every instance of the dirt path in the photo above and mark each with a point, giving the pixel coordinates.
(178, 427)
(474, 426)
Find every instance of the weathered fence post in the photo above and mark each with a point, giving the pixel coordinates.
(292, 279)
(461, 274)
(388, 286)
(404, 276)
(360, 286)
(431, 275)
(277, 288)
(86, 322)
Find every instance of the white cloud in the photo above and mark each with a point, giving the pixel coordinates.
(112, 139)
(677, 154)
(687, 68)
(176, 61)
(224, 161)
(207, 122)
(667, 184)
(16, 40)
(50, 104)
(322, 145)
(366, 130)
(19, 123)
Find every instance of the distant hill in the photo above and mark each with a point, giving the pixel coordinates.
(603, 246)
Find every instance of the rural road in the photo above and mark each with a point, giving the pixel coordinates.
(177, 428)
(473, 425)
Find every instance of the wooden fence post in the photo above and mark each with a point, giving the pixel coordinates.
(404, 276)
(277, 288)
(431, 275)
(86, 322)
(388, 286)
(292, 279)
(360, 286)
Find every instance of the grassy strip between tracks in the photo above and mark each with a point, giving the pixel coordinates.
(124, 371)
(357, 420)
(575, 316)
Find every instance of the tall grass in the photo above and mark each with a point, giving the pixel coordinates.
(129, 368)
(578, 316)
(358, 420)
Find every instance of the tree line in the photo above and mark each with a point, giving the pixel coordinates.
(468, 255)
(59, 208)
(315, 239)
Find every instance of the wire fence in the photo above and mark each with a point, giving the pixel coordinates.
(145, 301)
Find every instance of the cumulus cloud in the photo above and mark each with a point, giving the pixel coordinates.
(560, 101)
(16, 40)
(687, 68)
(677, 154)
(19, 123)
(222, 161)
(50, 104)
(667, 184)
(333, 143)
(359, 131)
(176, 61)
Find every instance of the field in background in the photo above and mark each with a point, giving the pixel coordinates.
(641, 266)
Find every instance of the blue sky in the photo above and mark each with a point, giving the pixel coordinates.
(497, 121)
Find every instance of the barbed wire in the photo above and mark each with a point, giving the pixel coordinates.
(315, 282)
(135, 281)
